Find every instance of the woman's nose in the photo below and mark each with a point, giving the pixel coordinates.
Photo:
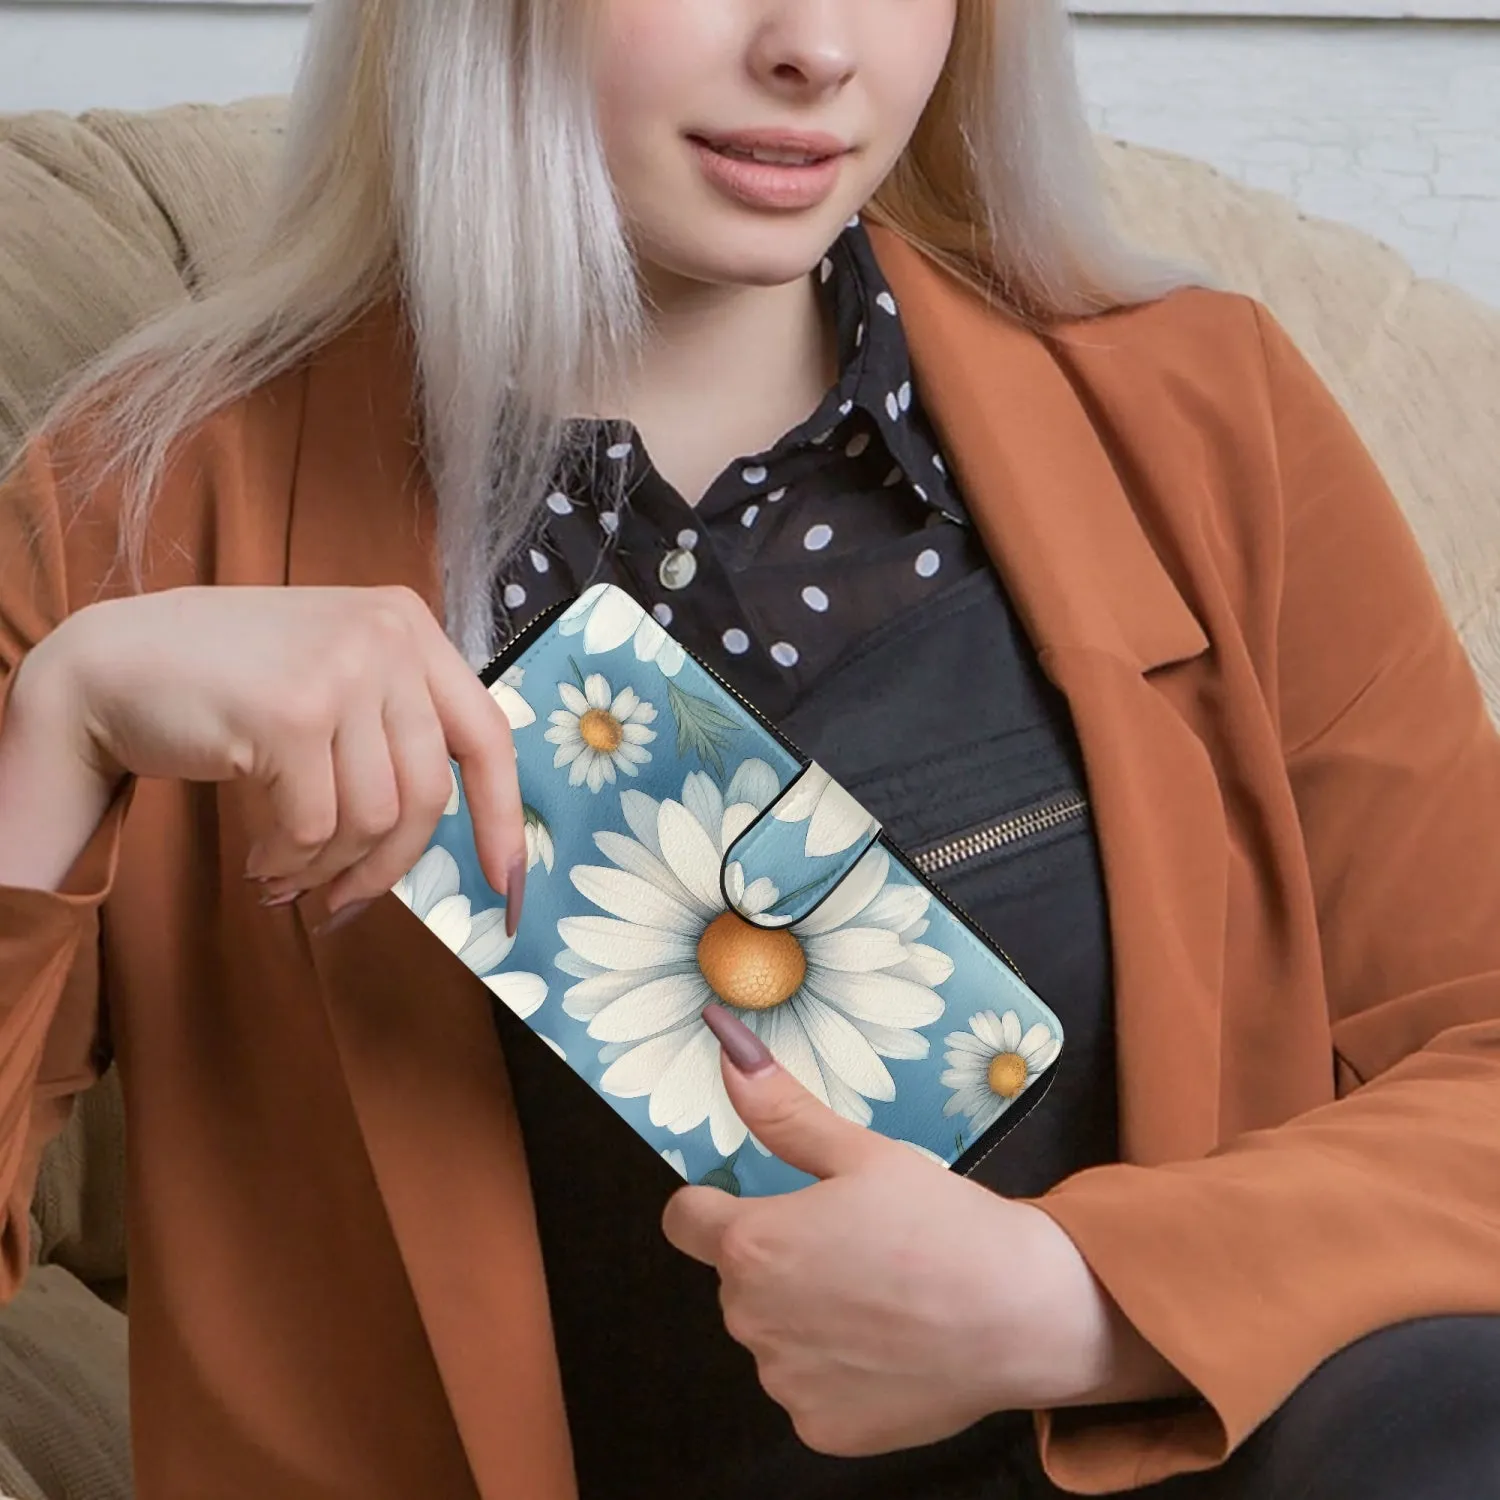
(805, 48)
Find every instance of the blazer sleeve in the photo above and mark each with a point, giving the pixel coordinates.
(1288, 1244)
(49, 941)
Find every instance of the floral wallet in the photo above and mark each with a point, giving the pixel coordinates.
(681, 852)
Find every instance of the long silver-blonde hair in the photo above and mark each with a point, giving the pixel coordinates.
(444, 153)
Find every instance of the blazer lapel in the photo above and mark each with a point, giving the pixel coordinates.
(415, 1035)
(1110, 627)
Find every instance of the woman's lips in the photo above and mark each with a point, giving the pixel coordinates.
(786, 184)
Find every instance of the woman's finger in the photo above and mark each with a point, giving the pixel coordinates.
(302, 802)
(419, 761)
(369, 802)
(477, 735)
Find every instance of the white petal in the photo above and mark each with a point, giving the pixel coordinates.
(637, 860)
(641, 814)
(636, 900)
(703, 799)
(791, 1046)
(570, 963)
(802, 800)
(487, 946)
(623, 945)
(759, 896)
(754, 782)
(845, 1101)
(851, 896)
(599, 770)
(612, 621)
(987, 1026)
(970, 1045)
(653, 1007)
(965, 1073)
(1035, 1041)
(924, 965)
(431, 879)
(690, 852)
(579, 610)
(685, 1090)
(1043, 1058)
(897, 906)
(724, 1125)
(1010, 1030)
(449, 919)
(876, 997)
(843, 1049)
(577, 703)
(584, 1001)
(596, 690)
(639, 1069)
(626, 701)
(838, 823)
(677, 1161)
(670, 658)
(895, 1041)
(855, 950)
(517, 710)
(738, 816)
(524, 993)
(649, 639)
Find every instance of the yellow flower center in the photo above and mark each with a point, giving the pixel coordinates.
(1007, 1074)
(749, 967)
(601, 731)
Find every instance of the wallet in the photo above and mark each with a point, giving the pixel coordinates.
(682, 852)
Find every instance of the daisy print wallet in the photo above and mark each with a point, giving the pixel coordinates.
(682, 852)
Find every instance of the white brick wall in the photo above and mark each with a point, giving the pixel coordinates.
(1391, 126)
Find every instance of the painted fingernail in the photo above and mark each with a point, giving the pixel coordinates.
(515, 895)
(285, 899)
(743, 1048)
(342, 917)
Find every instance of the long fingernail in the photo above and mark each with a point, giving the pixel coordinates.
(741, 1045)
(342, 917)
(515, 894)
(285, 899)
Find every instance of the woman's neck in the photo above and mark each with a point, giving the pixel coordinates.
(726, 371)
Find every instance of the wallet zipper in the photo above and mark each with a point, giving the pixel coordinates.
(1012, 830)
(522, 641)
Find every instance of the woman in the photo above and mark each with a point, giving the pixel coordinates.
(800, 321)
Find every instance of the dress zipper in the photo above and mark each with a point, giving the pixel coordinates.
(1021, 825)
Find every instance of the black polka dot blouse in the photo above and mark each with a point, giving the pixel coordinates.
(793, 554)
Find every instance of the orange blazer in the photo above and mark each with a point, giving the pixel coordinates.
(335, 1281)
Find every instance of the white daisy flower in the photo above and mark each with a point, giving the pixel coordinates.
(677, 1161)
(600, 732)
(835, 821)
(431, 889)
(608, 617)
(992, 1063)
(539, 846)
(831, 995)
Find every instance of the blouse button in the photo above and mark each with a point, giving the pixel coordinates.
(678, 569)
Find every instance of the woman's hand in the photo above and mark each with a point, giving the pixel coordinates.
(893, 1304)
(338, 707)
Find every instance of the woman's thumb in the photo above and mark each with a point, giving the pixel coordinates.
(779, 1111)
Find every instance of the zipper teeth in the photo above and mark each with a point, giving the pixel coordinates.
(1009, 830)
(520, 643)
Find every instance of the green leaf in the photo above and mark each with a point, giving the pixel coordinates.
(576, 673)
(723, 1178)
(703, 729)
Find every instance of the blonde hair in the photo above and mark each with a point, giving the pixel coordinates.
(443, 153)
